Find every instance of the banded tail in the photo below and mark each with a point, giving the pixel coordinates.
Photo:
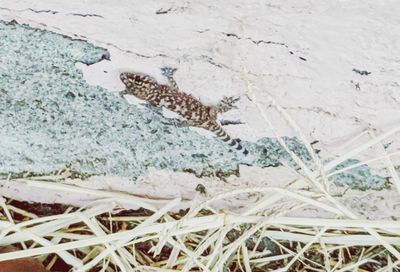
(233, 143)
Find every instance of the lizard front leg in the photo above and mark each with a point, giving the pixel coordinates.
(168, 72)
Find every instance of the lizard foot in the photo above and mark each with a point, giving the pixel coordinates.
(168, 71)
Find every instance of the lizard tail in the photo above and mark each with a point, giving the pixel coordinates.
(223, 136)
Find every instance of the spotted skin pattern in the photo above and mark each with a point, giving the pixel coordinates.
(191, 109)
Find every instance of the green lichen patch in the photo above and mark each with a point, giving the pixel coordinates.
(360, 177)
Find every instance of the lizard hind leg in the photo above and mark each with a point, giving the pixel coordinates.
(226, 104)
(223, 136)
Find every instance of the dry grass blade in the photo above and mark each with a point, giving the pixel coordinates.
(206, 244)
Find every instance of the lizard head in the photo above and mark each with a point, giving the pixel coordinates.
(135, 80)
(129, 79)
(138, 84)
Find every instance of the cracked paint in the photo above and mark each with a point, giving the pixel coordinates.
(257, 42)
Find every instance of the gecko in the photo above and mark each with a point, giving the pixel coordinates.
(187, 106)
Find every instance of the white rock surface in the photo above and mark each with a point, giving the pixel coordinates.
(211, 41)
(300, 52)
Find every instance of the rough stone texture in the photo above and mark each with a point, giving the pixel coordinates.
(52, 118)
(302, 52)
(309, 68)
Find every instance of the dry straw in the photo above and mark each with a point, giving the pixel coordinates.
(198, 239)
